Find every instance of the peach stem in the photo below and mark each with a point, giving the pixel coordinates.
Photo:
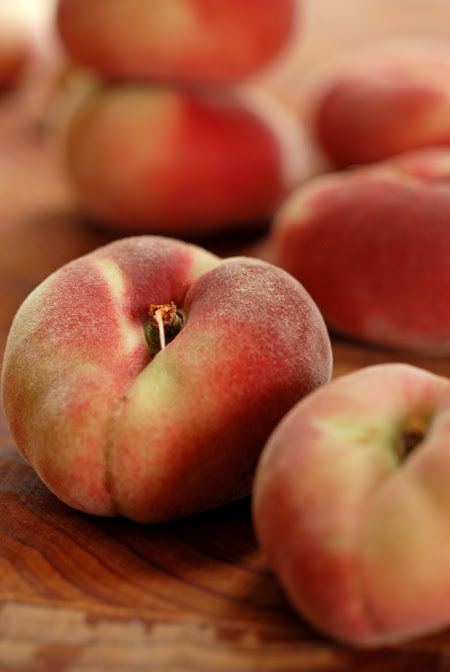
(163, 323)
(160, 323)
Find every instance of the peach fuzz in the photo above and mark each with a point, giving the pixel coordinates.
(190, 40)
(153, 160)
(382, 103)
(372, 246)
(111, 430)
(359, 535)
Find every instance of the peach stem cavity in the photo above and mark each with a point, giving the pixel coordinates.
(163, 323)
(411, 436)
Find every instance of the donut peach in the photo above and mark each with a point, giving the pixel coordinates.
(352, 506)
(190, 40)
(154, 160)
(383, 103)
(372, 246)
(144, 378)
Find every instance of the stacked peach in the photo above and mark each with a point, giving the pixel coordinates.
(191, 155)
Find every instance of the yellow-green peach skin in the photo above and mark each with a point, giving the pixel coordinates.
(113, 430)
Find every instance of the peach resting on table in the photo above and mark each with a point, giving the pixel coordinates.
(372, 246)
(352, 505)
(114, 424)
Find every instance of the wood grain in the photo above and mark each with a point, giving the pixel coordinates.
(81, 593)
(78, 593)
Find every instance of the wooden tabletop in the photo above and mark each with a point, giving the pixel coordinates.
(79, 593)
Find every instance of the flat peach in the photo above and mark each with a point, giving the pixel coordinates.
(384, 102)
(352, 505)
(189, 40)
(372, 246)
(146, 159)
(115, 426)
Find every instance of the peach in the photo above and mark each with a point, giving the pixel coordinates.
(383, 103)
(114, 426)
(154, 160)
(193, 40)
(372, 246)
(352, 505)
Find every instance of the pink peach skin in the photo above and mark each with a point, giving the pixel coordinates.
(160, 161)
(358, 535)
(383, 103)
(189, 40)
(111, 432)
(372, 246)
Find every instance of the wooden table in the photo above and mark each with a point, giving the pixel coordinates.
(78, 593)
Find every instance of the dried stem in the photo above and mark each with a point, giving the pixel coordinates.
(164, 322)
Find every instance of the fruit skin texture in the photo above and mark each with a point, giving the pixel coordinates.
(149, 160)
(359, 539)
(187, 40)
(110, 432)
(384, 103)
(372, 246)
